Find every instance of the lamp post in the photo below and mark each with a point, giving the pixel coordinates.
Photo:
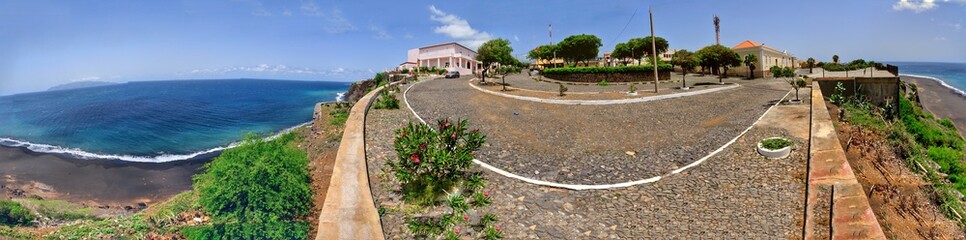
(653, 48)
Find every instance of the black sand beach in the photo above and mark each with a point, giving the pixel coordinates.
(941, 101)
(92, 182)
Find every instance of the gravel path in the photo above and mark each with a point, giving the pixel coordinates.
(734, 195)
(588, 144)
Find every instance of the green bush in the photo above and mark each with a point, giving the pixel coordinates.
(947, 123)
(562, 90)
(339, 114)
(928, 133)
(404, 71)
(386, 101)
(431, 163)
(619, 69)
(775, 143)
(14, 214)
(256, 190)
(603, 83)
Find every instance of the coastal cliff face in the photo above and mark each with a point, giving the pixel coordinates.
(358, 89)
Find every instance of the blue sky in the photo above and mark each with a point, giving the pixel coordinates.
(45, 43)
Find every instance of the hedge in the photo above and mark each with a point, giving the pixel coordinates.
(620, 69)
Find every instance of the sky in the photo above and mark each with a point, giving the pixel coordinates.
(47, 43)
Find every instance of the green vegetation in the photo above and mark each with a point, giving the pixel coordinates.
(603, 83)
(386, 101)
(835, 58)
(837, 96)
(632, 88)
(749, 62)
(58, 209)
(775, 143)
(687, 61)
(12, 233)
(257, 190)
(160, 219)
(339, 113)
(926, 144)
(811, 64)
(636, 48)
(546, 51)
(619, 69)
(433, 169)
(717, 56)
(404, 71)
(579, 48)
(498, 51)
(562, 89)
(14, 214)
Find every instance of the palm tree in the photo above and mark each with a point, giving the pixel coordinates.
(750, 60)
(811, 64)
(835, 58)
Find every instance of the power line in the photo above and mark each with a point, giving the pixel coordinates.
(625, 26)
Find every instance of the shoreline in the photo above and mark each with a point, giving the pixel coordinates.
(95, 183)
(941, 99)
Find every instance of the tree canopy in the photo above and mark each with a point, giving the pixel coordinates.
(645, 43)
(750, 61)
(715, 56)
(579, 47)
(496, 51)
(687, 61)
(542, 52)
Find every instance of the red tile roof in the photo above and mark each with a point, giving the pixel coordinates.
(746, 44)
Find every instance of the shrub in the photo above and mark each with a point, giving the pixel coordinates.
(947, 158)
(947, 123)
(619, 69)
(14, 214)
(339, 114)
(562, 89)
(387, 101)
(603, 83)
(838, 96)
(430, 163)
(256, 190)
(632, 88)
(775, 143)
(404, 71)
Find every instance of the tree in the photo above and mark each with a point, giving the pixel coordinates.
(715, 56)
(687, 61)
(496, 51)
(645, 43)
(543, 52)
(811, 64)
(835, 58)
(729, 61)
(621, 52)
(579, 47)
(750, 61)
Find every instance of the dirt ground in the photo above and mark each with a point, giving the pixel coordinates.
(321, 142)
(902, 201)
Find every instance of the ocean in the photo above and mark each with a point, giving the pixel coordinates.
(158, 121)
(951, 75)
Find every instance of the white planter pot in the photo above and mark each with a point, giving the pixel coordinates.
(774, 154)
(793, 101)
(632, 93)
(684, 88)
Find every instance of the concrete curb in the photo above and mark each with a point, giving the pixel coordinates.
(604, 102)
(602, 186)
(349, 211)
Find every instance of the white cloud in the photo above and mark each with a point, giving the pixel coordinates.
(516, 38)
(91, 78)
(335, 21)
(458, 28)
(920, 5)
(261, 13)
(287, 12)
(380, 33)
(914, 5)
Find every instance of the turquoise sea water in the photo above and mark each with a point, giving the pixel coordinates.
(158, 121)
(952, 75)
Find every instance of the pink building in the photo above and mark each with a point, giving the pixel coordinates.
(451, 56)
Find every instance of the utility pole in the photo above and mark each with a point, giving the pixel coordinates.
(550, 30)
(653, 48)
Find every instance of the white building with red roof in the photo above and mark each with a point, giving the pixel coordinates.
(767, 57)
(451, 56)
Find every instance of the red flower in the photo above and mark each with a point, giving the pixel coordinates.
(446, 124)
(486, 194)
(466, 217)
(497, 228)
(457, 231)
(453, 136)
(414, 158)
(422, 146)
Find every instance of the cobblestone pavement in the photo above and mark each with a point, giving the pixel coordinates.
(734, 195)
(590, 144)
(524, 81)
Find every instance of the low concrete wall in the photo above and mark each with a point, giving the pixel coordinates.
(836, 206)
(349, 211)
(609, 77)
(877, 90)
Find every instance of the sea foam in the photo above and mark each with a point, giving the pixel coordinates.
(81, 154)
(941, 82)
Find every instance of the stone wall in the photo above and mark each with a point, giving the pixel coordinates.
(609, 77)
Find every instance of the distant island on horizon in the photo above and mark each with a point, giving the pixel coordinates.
(80, 84)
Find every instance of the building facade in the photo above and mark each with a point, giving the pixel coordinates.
(451, 56)
(767, 57)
